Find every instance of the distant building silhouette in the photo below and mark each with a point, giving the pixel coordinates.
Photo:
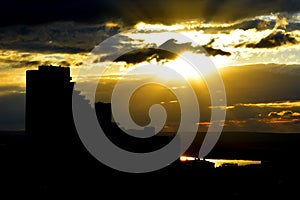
(119, 137)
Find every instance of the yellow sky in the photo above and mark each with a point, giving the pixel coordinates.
(282, 115)
(14, 63)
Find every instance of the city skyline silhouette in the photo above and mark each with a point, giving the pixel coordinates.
(56, 157)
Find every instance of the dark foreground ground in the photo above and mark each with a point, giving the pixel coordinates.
(27, 170)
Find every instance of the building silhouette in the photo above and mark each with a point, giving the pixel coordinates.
(54, 142)
(49, 118)
(56, 150)
(48, 103)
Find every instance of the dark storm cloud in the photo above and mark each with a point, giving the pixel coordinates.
(275, 39)
(36, 12)
(131, 11)
(178, 48)
(169, 50)
(141, 55)
(66, 37)
(173, 46)
(214, 52)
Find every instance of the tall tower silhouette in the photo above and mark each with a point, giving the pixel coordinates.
(49, 119)
(55, 147)
(48, 102)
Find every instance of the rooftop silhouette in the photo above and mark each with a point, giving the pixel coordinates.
(48, 102)
(50, 129)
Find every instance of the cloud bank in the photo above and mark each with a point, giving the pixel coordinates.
(132, 11)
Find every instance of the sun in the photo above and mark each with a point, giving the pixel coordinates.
(221, 61)
(183, 68)
(186, 69)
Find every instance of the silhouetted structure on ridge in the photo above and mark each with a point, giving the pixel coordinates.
(122, 139)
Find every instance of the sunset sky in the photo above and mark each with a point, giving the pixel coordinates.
(254, 44)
